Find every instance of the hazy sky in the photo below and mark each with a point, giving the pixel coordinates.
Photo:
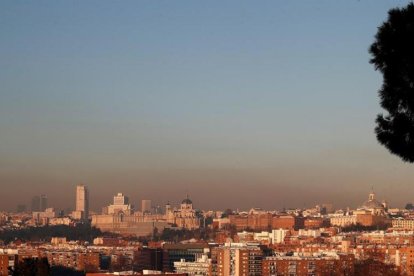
(239, 103)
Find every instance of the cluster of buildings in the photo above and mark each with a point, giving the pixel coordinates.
(373, 239)
(119, 217)
(279, 252)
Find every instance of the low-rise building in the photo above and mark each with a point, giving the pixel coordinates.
(201, 267)
(309, 264)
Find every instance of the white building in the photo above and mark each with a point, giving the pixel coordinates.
(403, 224)
(202, 266)
(278, 235)
(343, 221)
(82, 203)
(121, 204)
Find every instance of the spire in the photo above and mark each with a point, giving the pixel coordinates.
(372, 194)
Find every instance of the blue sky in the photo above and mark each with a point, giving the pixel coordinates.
(161, 98)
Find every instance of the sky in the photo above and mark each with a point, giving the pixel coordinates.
(239, 104)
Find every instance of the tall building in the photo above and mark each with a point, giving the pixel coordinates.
(35, 204)
(43, 203)
(39, 203)
(82, 203)
(146, 206)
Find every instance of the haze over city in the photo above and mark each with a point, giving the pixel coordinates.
(238, 104)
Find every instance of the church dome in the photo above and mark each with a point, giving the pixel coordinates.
(187, 201)
(372, 203)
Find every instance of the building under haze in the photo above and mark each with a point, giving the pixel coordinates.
(35, 207)
(120, 218)
(120, 204)
(39, 203)
(373, 205)
(43, 203)
(82, 203)
(146, 206)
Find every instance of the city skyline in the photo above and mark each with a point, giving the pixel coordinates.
(274, 103)
(144, 205)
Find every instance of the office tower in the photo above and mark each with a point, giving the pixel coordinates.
(35, 204)
(82, 203)
(43, 203)
(146, 206)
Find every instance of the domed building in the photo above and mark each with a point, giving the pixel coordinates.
(184, 217)
(186, 203)
(372, 205)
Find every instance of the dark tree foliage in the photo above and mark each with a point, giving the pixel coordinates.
(360, 228)
(177, 235)
(393, 55)
(32, 267)
(83, 232)
(375, 267)
(65, 271)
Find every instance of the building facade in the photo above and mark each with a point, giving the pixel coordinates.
(82, 203)
(184, 217)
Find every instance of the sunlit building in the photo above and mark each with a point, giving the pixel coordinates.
(237, 259)
(119, 217)
(184, 217)
(309, 264)
(82, 203)
(201, 267)
(120, 205)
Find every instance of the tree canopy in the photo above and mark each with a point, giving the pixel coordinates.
(393, 55)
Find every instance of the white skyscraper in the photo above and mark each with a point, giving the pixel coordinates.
(82, 203)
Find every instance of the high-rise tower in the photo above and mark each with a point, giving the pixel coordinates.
(82, 203)
(43, 203)
(35, 204)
